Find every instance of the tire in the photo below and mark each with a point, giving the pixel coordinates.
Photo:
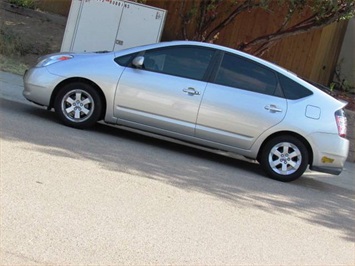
(78, 105)
(284, 158)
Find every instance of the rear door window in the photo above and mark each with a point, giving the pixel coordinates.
(245, 74)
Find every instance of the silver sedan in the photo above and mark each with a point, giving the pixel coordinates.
(200, 94)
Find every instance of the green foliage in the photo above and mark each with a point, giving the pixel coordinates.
(332, 86)
(321, 9)
(140, 1)
(24, 3)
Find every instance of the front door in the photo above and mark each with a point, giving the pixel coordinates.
(166, 92)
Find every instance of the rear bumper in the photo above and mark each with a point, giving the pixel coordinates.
(330, 152)
(327, 170)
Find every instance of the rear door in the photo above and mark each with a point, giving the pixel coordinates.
(165, 94)
(240, 104)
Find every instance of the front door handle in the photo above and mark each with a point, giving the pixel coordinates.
(191, 91)
(273, 108)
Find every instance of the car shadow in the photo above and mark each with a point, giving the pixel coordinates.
(312, 198)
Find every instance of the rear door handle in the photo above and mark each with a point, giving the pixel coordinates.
(191, 91)
(273, 108)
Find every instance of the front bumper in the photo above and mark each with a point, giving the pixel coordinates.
(39, 85)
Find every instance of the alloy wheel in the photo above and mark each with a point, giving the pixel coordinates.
(285, 158)
(77, 105)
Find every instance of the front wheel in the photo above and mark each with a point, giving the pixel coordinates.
(78, 105)
(284, 158)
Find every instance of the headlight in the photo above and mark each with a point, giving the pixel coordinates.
(53, 59)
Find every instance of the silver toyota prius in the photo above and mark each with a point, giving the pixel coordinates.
(199, 94)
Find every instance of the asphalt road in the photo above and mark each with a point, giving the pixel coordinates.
(109, 197)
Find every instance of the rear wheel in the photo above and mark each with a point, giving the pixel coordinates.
(284, 158)
(78, 105)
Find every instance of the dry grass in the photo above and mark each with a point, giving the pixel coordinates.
(12, 47)
(12, 44)
(12, 65)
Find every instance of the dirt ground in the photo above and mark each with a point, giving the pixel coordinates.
(26, 34)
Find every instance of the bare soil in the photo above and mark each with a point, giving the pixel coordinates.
(27, 34)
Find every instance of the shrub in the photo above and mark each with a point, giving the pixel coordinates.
(24, 3)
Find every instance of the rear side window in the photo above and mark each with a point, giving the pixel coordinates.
(293, 90)
(245, 74)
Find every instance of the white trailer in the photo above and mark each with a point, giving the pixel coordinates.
(110, 25)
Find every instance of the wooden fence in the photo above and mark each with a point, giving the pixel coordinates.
(60, 7)
(312, 55)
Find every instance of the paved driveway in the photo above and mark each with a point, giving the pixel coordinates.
(106, 196)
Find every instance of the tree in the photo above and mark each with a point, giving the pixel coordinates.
(210, 17)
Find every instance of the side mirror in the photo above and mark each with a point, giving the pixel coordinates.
(138, 61)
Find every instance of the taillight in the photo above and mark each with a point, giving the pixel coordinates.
(342, 123)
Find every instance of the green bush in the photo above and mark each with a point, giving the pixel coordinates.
(24, 3)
